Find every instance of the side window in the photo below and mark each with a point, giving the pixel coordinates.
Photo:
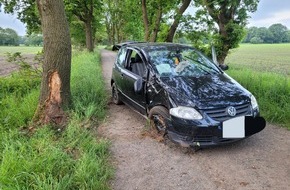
(121, 57)
(137, 65)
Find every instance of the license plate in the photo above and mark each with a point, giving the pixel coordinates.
(234, 128)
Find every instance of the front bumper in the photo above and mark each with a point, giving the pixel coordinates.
(208, 133)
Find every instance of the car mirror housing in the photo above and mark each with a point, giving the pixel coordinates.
(224, 67)
(138, 85)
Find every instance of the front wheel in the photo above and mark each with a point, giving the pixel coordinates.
(158, 116)
(115, 95)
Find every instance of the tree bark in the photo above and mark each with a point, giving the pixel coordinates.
(89, 36)
(145, 20)
(89, 28)
(173, 27)
(55, 93)
(222, 18)
(157, 25)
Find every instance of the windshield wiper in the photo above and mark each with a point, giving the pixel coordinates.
(202, 64)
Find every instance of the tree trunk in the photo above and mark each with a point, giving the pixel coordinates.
(145, 20)
(89, 36)
(173, 27)
(113, 33)
(55, 86)
(222, 22)
(157, 25)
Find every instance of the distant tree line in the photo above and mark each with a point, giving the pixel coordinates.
(9, 37)
(276, 33)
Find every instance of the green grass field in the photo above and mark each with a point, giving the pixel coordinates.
(273, 58)
(72, 158)
(264, 69)
(23, 49)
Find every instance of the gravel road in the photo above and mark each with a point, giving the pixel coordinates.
(142, 162)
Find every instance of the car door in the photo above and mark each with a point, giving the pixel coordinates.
(118, 70)
(135, 69)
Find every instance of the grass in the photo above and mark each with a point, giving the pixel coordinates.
(49, 159)
(88, 86)
(23, 49)
(264, 70)
(272, 58)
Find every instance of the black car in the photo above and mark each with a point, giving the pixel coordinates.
(184, 94)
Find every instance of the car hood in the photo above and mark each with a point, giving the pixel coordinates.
(206, 92)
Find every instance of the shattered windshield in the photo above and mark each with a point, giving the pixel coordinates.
(182, 61)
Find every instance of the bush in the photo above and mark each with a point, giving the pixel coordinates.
(18, 85)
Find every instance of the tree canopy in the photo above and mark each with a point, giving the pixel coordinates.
(224, 21)
(215, 22)
(9, 37)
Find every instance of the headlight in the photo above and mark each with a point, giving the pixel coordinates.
(254, 102)
(185, 113)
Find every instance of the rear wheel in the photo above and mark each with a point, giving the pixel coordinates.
(115, 95)
(158, 116)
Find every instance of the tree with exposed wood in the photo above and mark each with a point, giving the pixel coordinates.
(230, 17)
(55, 94)
(55, 86)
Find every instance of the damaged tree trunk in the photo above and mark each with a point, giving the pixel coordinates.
(55, 85)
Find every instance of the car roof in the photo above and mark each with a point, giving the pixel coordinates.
(146, 45)
(149, 45)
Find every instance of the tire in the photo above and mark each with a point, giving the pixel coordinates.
(158, 116)
(115, 95)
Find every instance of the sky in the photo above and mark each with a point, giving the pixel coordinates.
(269, 12)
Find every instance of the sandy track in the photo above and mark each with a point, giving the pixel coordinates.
(259, 162)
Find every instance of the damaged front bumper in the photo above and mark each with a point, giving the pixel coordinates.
(204, 133)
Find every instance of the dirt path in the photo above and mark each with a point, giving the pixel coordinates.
(259, 162)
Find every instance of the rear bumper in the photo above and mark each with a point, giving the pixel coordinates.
(187, 134)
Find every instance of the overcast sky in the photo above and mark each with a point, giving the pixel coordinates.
(269, 12)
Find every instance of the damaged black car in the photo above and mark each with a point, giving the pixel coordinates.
(184, 94)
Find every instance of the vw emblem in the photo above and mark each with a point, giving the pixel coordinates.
(232, 111)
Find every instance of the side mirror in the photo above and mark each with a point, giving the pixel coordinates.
(138, 85)
(214, 59)
(224, 67)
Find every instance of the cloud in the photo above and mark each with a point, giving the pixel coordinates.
(10, 21)
(282, 17)
(271, 12)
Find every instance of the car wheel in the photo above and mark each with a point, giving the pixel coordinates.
(158, 116)
(115, 95)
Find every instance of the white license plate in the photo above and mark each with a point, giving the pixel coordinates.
(234, 128)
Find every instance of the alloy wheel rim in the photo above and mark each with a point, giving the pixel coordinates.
(159, 123)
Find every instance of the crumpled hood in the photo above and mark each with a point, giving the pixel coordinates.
(206, 91)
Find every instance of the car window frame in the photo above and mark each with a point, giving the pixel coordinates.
(121, 63)
(130, 51)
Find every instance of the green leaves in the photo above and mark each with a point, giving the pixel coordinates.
(224, 21)
(8, 37)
